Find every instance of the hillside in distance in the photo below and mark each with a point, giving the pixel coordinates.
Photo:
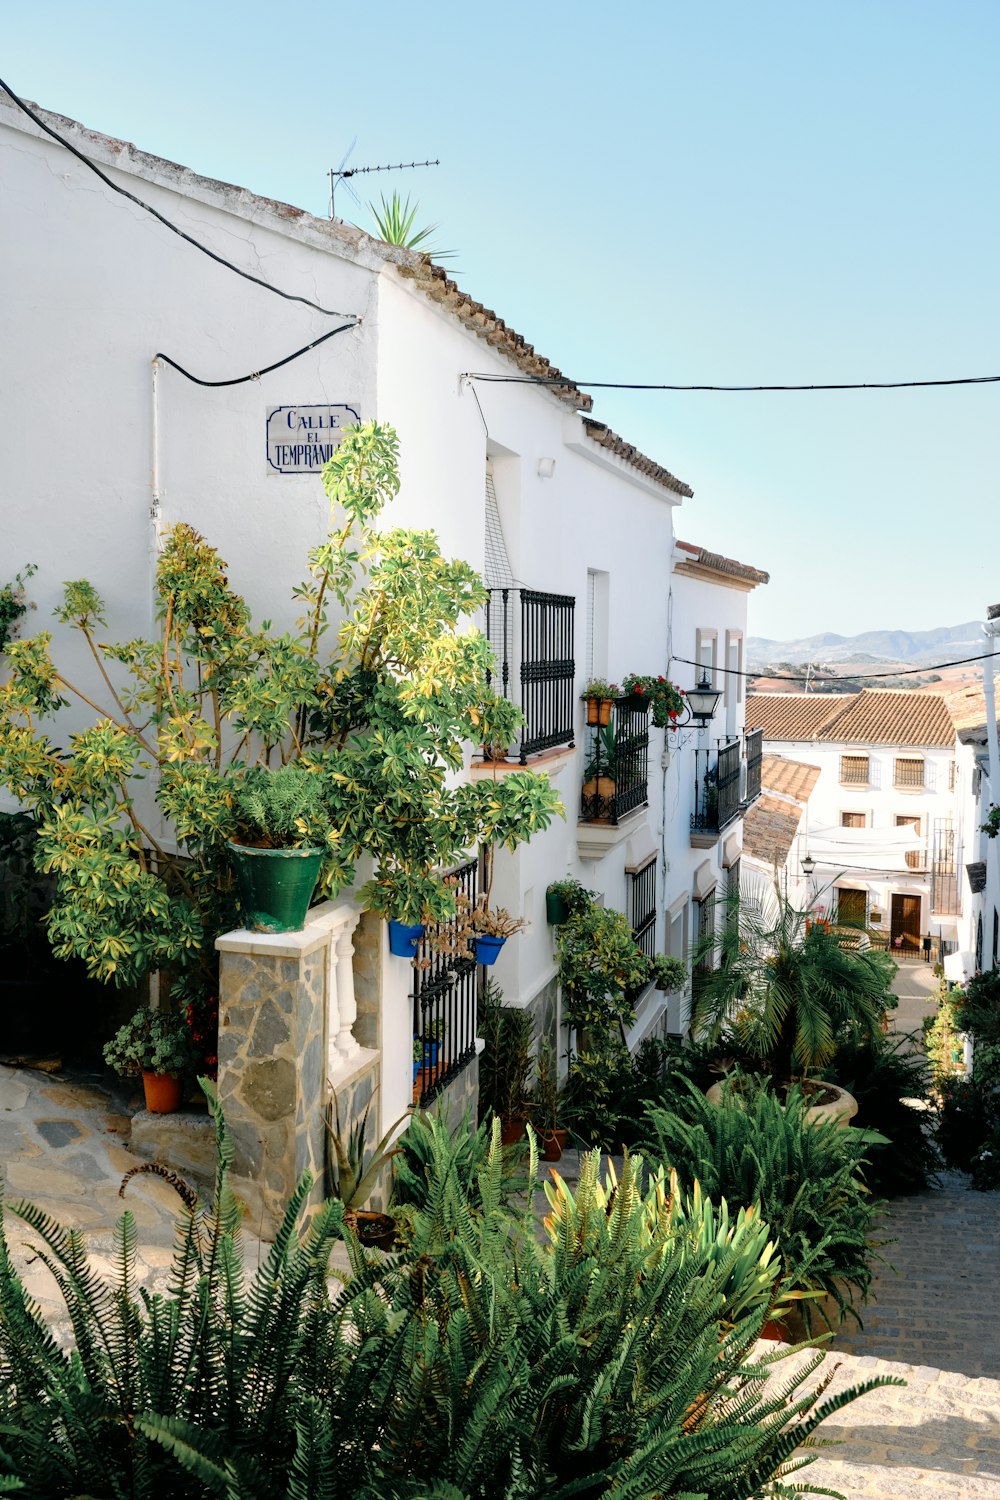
(947, 643)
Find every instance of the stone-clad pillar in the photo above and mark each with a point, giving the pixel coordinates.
(279, 1017)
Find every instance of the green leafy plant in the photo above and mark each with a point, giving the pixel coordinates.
(14, 604)
(892, 1086)
(152, 1041)
(495, 921)
(599, 687)
(668, 973)
(498, 722)
(505, 1062)
(602, 759)
(806, 1176)
(545, 1102)
(281, 809)
(785, 989)
(355, 1170)
(576, 896)
(395, 220)
(992, 825)
(665, 698)
(616, 1358)
(376, 692)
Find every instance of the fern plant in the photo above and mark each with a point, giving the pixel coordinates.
(615, 1359)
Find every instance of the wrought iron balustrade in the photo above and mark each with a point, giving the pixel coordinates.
(716, 788)
(532, 638)
(444, 1007)
(616, 774)
(945, 897)
(754, 746)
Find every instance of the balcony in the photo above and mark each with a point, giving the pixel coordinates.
(444, 1008)
(716, 792)
(532, 638)
(616, 777)
(754, 747)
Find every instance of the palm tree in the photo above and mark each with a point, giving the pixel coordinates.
(785, 988)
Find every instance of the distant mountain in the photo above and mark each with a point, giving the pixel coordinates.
(946, 643)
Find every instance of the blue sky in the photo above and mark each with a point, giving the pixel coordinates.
(722, 193)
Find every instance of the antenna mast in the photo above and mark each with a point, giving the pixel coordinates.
(342, 173)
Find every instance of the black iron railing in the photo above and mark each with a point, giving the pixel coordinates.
(533, 646)
(754, 744)
(642, 912)
(716, 788)
(444, 1008)
(944, 869)
(616, 770)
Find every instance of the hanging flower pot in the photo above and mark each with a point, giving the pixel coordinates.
(488, 949)
(163, 1092)
(404, 937)
(275, 885)
(556, 910)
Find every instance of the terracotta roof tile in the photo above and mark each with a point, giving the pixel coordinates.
(876, 716)
(792, 778)
(726, 565)
(793, 716)
(967, 707)
(602, 434)
(769, 829)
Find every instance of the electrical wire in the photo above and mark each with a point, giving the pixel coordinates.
(632, 385)
(255, 374)
(168, 224)
(853, 676)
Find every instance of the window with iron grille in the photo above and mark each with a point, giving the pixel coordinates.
(642, 907)
(908, 771)
(444, 1008)
(853, 820)
(705, 928)
(854, 769)
(944, 869)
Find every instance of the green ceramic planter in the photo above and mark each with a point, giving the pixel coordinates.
(275, 885)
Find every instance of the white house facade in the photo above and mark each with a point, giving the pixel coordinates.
(146, 384)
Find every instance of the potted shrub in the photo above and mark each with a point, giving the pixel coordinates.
(505, 1065)
(545, 1105)
(665, 698)
(280, 844)
(562, 898)
(492, 926)
(156, 1044)
(426, 1049)
(599, 696)
(498, 721)
(599, 783)
(669, 973)
(353, 1178)
(785, 996)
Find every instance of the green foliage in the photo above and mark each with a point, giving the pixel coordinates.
(668, 973)
(617, 1358)
(377, 703)
(545, 1102)
(806, 1177)
(498, 722)
(505, 1062)
(152, 1041)
(575, 895)
(599, 687)
(395, 220)
(13, 605)
(942, 1037)
(786, 990)
(992, 825)
(281, 809)
(892, 1086)
(665, 698)
(24, 895)
(357, 1170)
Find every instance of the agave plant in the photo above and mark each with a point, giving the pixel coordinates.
(395, 220)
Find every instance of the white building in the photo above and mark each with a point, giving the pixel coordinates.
(145, 383)
(883, 824)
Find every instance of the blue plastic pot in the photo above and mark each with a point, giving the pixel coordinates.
(404, 937)
(429, 1060)
(488, 949)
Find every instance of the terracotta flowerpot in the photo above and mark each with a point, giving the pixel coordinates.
(511, 1129)
(553, 1144)
(599, 791)
(163, 1092)
(599, 710)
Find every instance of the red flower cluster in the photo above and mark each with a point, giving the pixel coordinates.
(203, 1020)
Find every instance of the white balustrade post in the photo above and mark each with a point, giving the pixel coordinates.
(342, 940)
(332, 1003)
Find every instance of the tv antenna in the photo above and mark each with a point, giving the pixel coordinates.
(344, 173)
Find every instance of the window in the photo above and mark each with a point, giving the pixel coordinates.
(952, 773)
(733, 895)
(854, 769)
(853, 820)
(914, 857)
(642, 904)
(677, 929)
(705, 923)
(909, 771)
(706, 650)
